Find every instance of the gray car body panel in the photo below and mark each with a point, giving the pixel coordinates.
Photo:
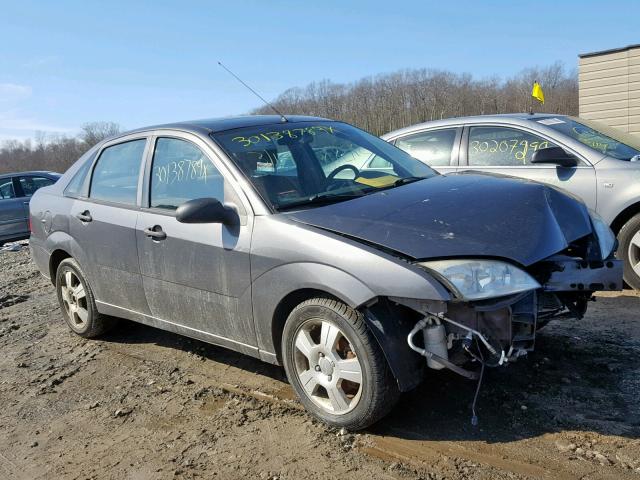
(223, 284)
(607, 185)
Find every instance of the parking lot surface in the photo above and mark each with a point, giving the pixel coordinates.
(141, 403)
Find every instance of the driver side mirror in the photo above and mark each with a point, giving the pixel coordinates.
(206, 210)
(554, 155)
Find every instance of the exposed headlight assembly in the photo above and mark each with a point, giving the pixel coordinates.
(606, 238)
(471, 279)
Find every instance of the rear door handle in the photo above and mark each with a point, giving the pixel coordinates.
(155, 232)
(84, 216)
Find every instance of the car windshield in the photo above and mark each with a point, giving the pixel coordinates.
(607, 140)
(309, 163)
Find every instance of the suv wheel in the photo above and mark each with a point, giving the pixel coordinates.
(78, 303)
(336, 366)
(629, 251)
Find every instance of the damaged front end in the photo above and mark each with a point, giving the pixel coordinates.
(497, 307)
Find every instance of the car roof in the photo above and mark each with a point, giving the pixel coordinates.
(511, 118)
(31, 172)
(214, 125)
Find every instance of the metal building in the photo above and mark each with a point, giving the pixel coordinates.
(609, 87)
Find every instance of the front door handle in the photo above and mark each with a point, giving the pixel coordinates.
(84, 216)
(155, 232)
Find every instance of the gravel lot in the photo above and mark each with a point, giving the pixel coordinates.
(144, 404)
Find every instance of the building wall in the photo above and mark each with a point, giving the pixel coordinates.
(609, 87)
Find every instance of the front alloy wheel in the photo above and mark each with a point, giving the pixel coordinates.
(327, 366)
(336, 366)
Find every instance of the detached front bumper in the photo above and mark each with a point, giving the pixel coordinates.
(578, 276)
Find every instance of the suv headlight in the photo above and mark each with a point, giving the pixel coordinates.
(606, 238)
(479, 279)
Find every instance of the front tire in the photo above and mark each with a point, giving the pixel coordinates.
(78, 303)
(336, 366)
(629, 251)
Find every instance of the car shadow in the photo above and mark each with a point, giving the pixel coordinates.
(578, 379)
(136, 334)
(570, 383)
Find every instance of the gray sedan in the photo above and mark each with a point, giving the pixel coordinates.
(599, 164)
(16, 190)
(242, 233)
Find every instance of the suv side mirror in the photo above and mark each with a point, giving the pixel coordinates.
(555, 155)
(206, 210)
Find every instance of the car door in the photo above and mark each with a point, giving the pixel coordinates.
(437, 148)
(196, 276)
(13, 222)
(508, 150)
(29, 184)
(103, 226)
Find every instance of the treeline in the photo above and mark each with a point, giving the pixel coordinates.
(389, 101)
(52, 152)
(378, 104)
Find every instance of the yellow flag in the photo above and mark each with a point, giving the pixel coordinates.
(537, 92)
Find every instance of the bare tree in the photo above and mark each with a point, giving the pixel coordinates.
(389, 101)
(95, 132)
(52, 152)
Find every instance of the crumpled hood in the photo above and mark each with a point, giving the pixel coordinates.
(461, 215)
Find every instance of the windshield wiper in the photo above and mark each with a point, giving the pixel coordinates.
(397, 183)
(324, 198)
(407, 180)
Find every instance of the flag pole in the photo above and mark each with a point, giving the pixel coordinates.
(531, 101)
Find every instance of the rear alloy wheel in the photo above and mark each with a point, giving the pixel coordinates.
(336, 366)
(77, 302)
(629, 251)
(74, 299)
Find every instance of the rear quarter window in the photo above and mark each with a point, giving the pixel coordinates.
(76, 187)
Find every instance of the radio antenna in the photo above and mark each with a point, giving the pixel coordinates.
(282, 117)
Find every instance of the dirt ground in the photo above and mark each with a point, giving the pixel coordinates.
(145, 404)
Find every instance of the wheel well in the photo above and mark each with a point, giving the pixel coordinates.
(624, 216)
(56, 257)
(284, 308)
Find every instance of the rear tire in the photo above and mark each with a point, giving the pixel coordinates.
(78, 303)
(629, 251)
(336, 366)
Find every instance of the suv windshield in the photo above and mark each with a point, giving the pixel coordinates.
(607, 140)
(310, 163)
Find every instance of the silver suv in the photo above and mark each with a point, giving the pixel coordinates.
(594, 162)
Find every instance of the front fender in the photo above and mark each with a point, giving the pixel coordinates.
(273, 286)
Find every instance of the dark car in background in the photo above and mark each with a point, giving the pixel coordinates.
(16, 190)
(241, 232)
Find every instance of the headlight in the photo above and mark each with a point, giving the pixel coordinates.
(606, 238)
(479, 279)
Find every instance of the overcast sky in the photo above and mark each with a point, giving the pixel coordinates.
(65, 63)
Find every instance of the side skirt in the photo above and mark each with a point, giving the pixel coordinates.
(115, 311)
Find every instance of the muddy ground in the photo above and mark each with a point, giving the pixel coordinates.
(144, 404)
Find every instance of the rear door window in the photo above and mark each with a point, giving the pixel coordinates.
(30, 184)
(503, 146)
(433, 148)
(115, 176)
(181, 172)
